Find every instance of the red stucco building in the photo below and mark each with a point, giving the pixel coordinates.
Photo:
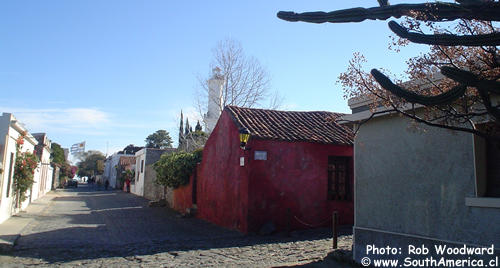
(296, 170)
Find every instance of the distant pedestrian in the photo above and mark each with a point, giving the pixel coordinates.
(127, 183)
(106, 185)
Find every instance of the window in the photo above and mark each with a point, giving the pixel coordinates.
(339, 183)
(487, 163)
(11, 166)
(260, 155)
(142, 166)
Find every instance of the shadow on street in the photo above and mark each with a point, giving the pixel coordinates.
(86, 223)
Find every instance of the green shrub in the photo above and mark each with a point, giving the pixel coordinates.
(173, 170)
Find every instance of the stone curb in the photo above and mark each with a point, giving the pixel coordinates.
(19, 223)
(6, 245)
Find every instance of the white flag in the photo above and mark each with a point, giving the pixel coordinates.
(78, 148)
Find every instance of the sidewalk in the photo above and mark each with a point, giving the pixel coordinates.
(10, 230)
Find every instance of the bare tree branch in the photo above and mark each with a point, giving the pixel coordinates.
(446, 97)
(246, 81)
(470, 48)
(469, 79)
(492, 39)
(438, 11)
(383, 2)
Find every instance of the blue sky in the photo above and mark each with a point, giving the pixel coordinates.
(112, 72)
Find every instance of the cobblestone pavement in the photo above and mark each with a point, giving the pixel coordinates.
(116, 229)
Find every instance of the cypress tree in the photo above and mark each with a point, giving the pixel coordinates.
(188, 128)
(197, 127)
(181, 133)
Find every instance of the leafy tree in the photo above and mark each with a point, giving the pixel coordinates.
(90, 164)
(198, 126)
(124, 174)
(100, 166)
(159, 140)
(181, 129)
(188, 128)
(130, 149)
(190, 140)
(73, 171)
(193, 141)
(67, 171)
(57, 154)
(464, 49)
(174, 169)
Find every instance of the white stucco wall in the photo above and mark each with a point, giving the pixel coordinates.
(50, 176)
(43, 173)
(411, 186)
(140, 158)
(108, 165)
(153, 191)
(46, 179)
(35, 192)
(9, 156)
(9, 133)
(110, 172)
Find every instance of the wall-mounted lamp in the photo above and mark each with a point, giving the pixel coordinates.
(244, 136)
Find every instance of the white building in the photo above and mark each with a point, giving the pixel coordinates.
(10, 130)
(113, 165)
(215, 100)
(110, 169)
(422, 186)
(145, 176)
(44, 172)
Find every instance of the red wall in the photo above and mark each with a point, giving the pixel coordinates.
(295, 177)
(183, 197)
(222, 188)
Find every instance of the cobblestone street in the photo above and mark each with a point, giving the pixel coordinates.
(115, 229)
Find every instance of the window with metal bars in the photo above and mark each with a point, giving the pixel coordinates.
(339, 183)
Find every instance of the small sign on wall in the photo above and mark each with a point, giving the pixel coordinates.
(260, 155)
(242, 161)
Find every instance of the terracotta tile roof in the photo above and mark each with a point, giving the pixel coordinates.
(127, 160)
(318, 127)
